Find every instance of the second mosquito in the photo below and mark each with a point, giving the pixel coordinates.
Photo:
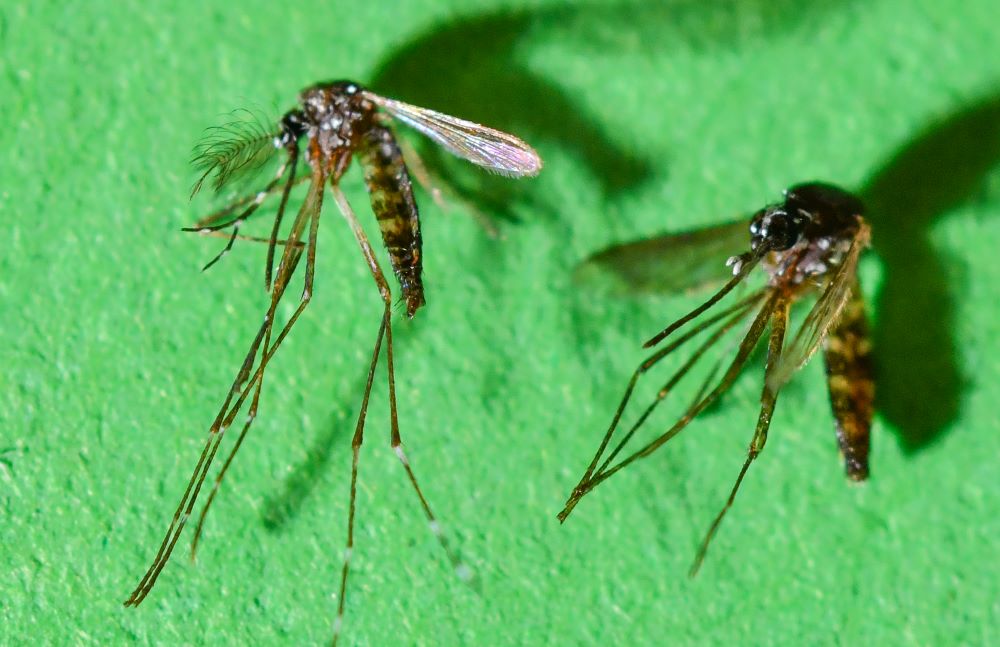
(807, 244)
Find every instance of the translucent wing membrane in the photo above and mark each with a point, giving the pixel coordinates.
(486, 147)
(673, 263)
(823, 315)
(235, 149)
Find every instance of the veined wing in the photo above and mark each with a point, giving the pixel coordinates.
(673, 263)
(493, 149)
(234, 149)
(824, 314)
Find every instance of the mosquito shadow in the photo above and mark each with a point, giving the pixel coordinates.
(476, 67)
(919, 382)
(472, 67)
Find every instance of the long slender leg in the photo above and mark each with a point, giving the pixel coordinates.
(281, 242)
(306, 295)
(461, 570)
(742, 355)
(385, 293)
(735, 313)
(269, 262)
(666, 389)
(180, 517)
(768, 398)
(359, 434)
(254, 383)
(652, 361)
(384, 328)
(312, 213)
(232, 238)
(290, 258)
(744, 263)
(212, 221)
(229, 459)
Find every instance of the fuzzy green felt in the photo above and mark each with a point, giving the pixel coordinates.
(115, 350)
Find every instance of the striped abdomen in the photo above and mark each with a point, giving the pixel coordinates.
(847, 351)
(392, 201)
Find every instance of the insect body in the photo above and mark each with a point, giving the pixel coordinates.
(808, 243)
(333, 123)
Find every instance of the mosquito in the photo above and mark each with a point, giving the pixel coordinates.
(333, 123)
(809, 243)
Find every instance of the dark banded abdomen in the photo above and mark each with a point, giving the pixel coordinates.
(849, 376)
(392, 201)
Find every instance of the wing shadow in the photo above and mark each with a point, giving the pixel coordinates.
(475, 67)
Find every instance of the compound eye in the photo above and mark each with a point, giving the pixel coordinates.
(783, 231)
(293, 126)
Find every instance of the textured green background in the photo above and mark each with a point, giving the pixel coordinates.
(115, 350)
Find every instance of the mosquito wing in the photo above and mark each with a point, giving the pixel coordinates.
(673, 263)
(824, 314)
(486, 147)
(234, 150)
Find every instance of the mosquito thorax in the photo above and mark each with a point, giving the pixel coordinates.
(293, 128)
(336, 113)
(818, 196)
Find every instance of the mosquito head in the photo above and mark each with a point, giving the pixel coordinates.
(811, 205)
(777, 228)
(293, 127)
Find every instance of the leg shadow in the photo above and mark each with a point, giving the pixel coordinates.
(280, 508)
(283, 506)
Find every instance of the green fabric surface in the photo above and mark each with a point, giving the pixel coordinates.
(116, 351)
